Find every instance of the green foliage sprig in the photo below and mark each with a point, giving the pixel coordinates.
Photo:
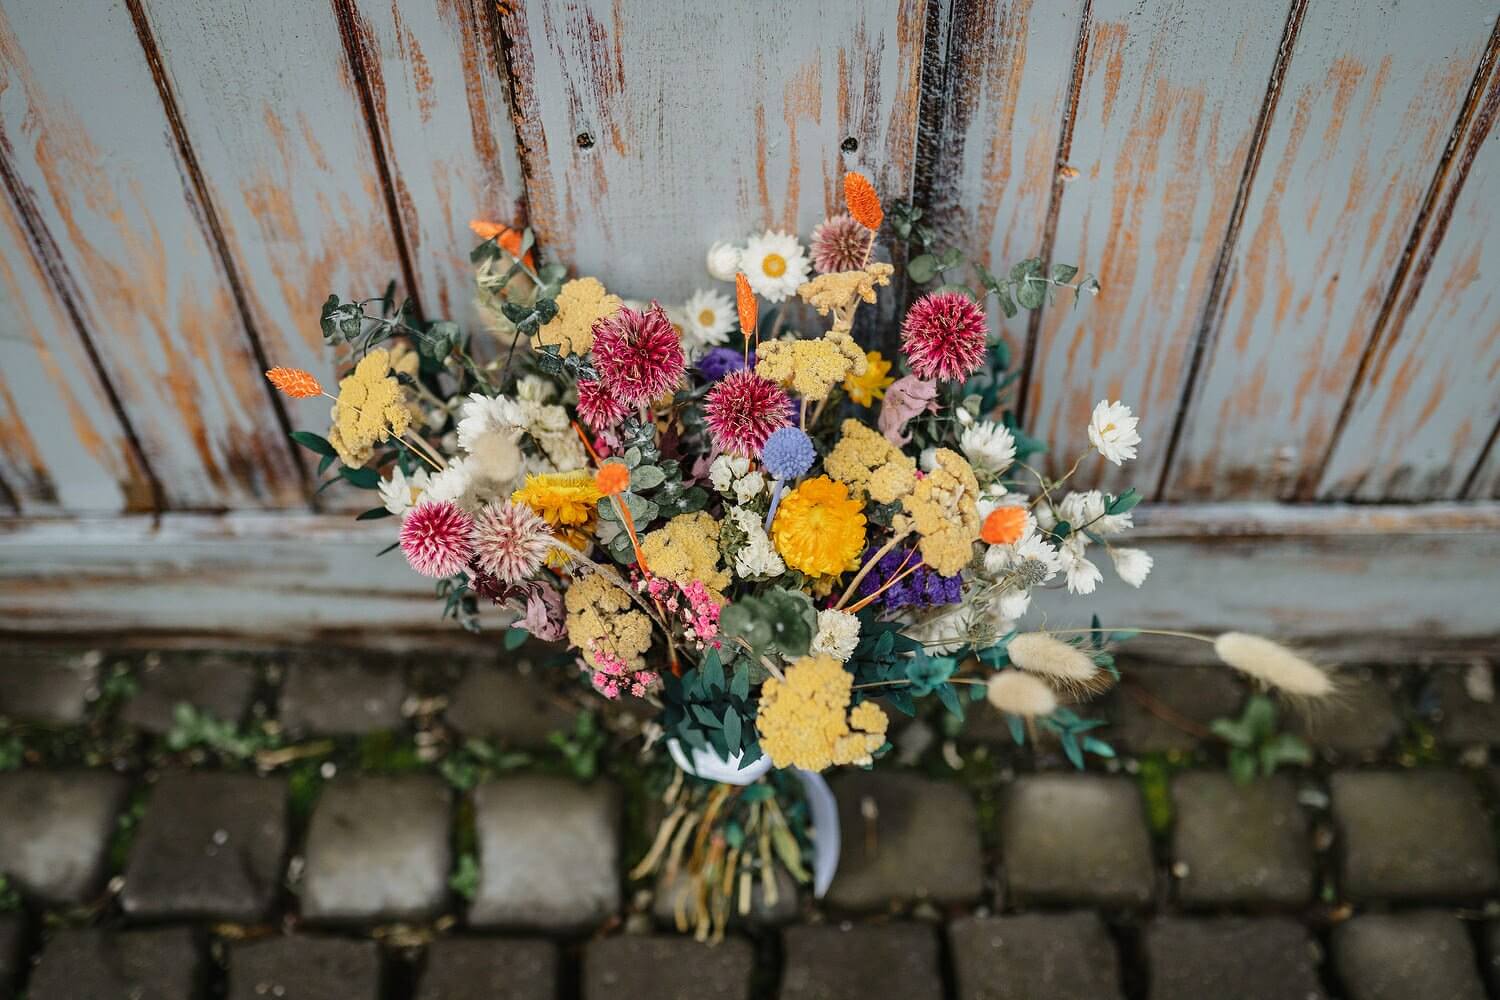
(1256, 746)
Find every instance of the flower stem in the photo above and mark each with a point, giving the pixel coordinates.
(864, 570)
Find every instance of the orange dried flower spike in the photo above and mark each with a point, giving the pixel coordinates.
(1004, 525)
(295, 382)
(744, 298)
(862, 201)
(508, 238)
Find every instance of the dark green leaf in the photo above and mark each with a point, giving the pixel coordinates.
(373, 514)
(515, 638)
(922, 268)
(732, 729)
(313, 443)
(365, 479)
(1063, 273)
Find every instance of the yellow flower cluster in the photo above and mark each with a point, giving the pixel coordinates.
(944, 515)
(841, 292)
(371, 407)
(581, 303)
(686, 548)
(819, 528)
(568, 501)
(811, 368)
(867, 388)
(804, 721)
(602, 618)
(870, 464)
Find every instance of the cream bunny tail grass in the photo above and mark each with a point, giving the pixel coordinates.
(1020, 694)
(1040, 653)
(1273, 664)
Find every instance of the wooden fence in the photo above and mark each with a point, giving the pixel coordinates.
(1286, 202)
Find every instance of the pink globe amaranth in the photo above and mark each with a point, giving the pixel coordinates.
(839, 244)
(943, 336)
(743, 409)
(638, 354)
(437, 538)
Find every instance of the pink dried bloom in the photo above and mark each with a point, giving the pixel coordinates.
(437, 538)
(703, 615)
(600, 409)
(611, 677)
(510, 541)
(743, 409)
(638, 354)
(943, 336)
(839, 244)
(545, 615)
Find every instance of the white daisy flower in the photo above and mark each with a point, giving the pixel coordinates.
(1083, 575)
(710, 316)
(723, 261)
(1112, 431)
(838, 634)
(989, 446)
(775, 264)
(1132, 564)
(399, 493)
(1081, 507)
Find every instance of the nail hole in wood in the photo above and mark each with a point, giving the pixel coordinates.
(850, 145)
(585, 140)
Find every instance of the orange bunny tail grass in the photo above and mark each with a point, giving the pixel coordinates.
(295, 382)
(745, 299)
(863, 202)
(508, 238)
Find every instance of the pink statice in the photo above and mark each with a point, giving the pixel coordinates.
(612, 678)
(943, 336)
(510, 541)
(691, 601)
(839, 244)
(437, 538)
(742, 410)
(638, 354)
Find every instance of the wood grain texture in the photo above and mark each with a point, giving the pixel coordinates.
(1165, 119)
(442, 108)
(1428, 401)
(99, 183)
(63, 448)
(705, 122)
(1367, 107)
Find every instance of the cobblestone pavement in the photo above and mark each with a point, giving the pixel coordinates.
(353, 826)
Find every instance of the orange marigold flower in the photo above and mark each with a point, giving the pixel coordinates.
(1004, 525)
(863, 202)
(612, 478)
(295, 382)
(508, 238)
(744, 298)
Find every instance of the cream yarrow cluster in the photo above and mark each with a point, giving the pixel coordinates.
(603, 622)
(944, 513)
(804, 721)
(866, 462)
(811, 368)
(581, 303)
(687, 549)
(371, 407)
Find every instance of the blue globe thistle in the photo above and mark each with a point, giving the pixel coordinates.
(788, 453)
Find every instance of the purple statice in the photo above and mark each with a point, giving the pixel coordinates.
(924, 588)
(720, 361)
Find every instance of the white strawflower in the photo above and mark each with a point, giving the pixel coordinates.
(1040, 653)
(709, 316)
(1133, 565)
(725, 470)
(1030, 558)
(1080, 508)
(1018, 693)
(1012, 604)
(534, 389)
(1273, 664)
(1112, 431)
(988, 446)
(481, 415)
(775, 264)
(838, 634)
(1083, 575)
(399, 493)
(455, 483)
(723, 261)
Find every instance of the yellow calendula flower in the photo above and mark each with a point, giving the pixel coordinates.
(811, 368)
(581, 303)
(371, 407)
(870, 464)
(867, 388)
(819, 529)
(804, 721)
(944, 515)
(687, 549)
(568, 501)
(603, 619)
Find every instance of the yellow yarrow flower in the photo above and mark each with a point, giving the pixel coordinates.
(371, 407)
(685, 549)
(810, 368)
(568, 501)
(804, 721)
(581, 303)
(602, 619)
(867, 388)
(944, 514)
(819, 529)
(869, 464)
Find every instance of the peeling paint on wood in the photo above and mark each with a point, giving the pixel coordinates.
(703, 122)
(99, 182)
(1367, 108)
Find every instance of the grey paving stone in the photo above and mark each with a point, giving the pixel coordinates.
(210, 846)
(504, 705)
(1075, 838)
(55, 828)
(1239, 844)
(1465, 720)
(1406, 956)
(341, 694)
(1412, 835)
(110, 965)
(12, 935)
(41, 685)
(378, 849)
(548, 853)
(1360, 721)
(862, 962)
(667, 968)
(904, 838)
(489, 969)
(221, 684)
(1232, 959)
(1034, 957)
(1199, 694)
(304, 968)
(762, 914)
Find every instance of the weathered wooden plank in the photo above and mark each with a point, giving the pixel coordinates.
(1484, 481)
(648, 133)
(94, 171)
(63, 448)
(437, 85)
(1423, 412)
(1320, 575)
(1367, 107)
(1165, 120)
